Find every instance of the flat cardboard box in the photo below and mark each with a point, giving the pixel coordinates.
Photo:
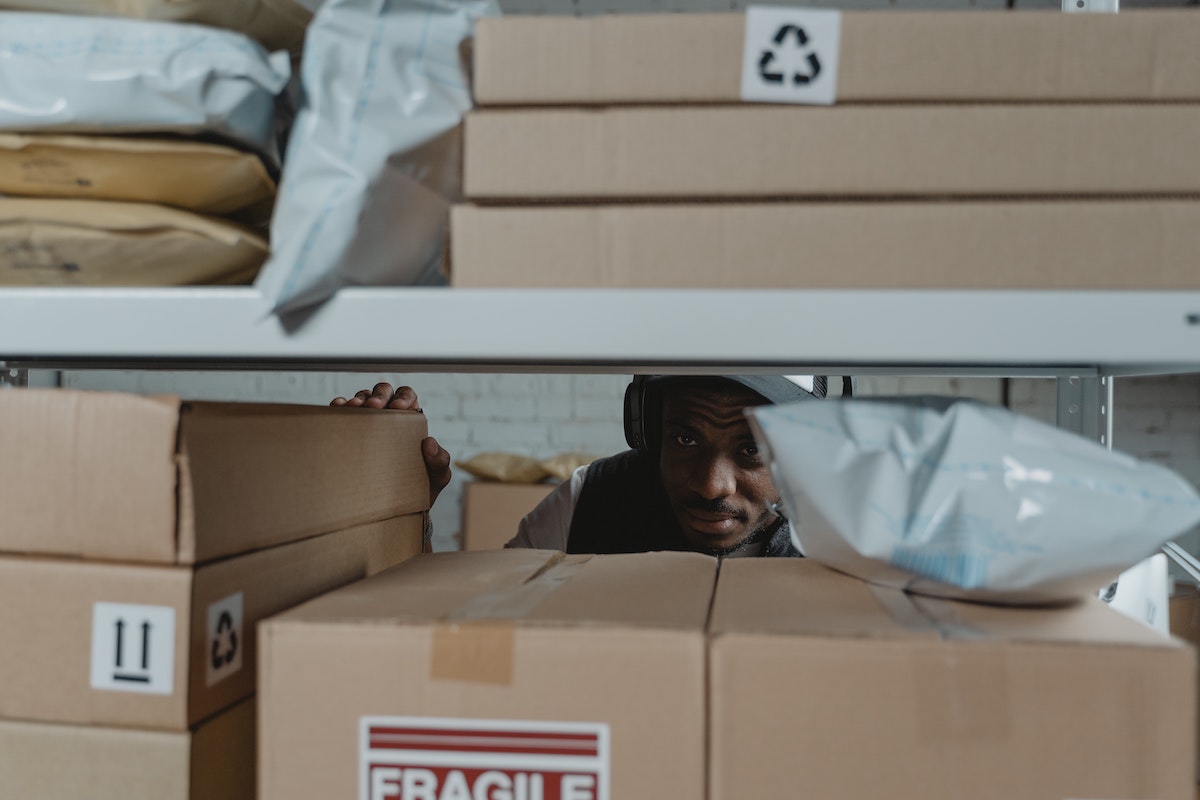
(492, 510)
(551, 670)
(214, 761)
(866, 692)
(889, 56)
(163, 647)
(1098, 244)
(152, 479)
(780, 152)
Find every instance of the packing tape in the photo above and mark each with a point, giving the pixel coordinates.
(476, 642)
(474, 652)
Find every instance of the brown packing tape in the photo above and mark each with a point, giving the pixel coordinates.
(474, 652)
(476, 642)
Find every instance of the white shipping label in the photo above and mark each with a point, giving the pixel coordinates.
(133, 648)
(791, 55)
(417, 758)
(225, 643)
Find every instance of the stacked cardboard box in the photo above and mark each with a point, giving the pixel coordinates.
(142, 541)
(957, 150)
(492, 510)
(532, 675)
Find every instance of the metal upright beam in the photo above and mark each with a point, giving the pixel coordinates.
(1085, 406)
(12, 377)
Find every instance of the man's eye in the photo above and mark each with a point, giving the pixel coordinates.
(683, 440)
(751, 450)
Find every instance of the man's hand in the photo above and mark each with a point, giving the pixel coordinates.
(437, 459)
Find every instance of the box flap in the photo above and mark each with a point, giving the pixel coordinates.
(799, 597)
(532, 587)
(430, 587)
(73, 459)
(264, 474)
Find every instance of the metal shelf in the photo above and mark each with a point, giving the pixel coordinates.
(1046, 333)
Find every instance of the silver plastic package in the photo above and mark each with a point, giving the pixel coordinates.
(374, 155)
(962, 499)
(83, 74)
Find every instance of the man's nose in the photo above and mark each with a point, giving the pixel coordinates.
(714, 477)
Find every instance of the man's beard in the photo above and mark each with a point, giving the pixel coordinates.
(760, 534)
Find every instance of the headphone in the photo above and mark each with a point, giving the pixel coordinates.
(643, 399)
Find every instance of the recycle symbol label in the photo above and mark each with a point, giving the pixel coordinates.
(769, 68)
(791, 55)
(225, 639)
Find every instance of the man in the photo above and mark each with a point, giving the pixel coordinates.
(692, 480)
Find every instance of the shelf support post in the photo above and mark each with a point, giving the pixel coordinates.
(1085, 407)
(11, 377)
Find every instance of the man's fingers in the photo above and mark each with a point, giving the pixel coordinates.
(437, 465)
(378, 397)
(405, 399)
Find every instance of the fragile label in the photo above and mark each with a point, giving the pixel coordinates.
(411, 758)
(790, 55)
(223, 649)
(133, 648)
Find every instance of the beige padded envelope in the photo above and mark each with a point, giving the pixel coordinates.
(103, 243)
(208, 178)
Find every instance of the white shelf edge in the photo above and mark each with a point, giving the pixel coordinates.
(863, 331)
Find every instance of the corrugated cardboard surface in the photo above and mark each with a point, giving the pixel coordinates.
(854, 151)
(499, 635)
(492, 511)
(68, 762)
(97, 474)
(47, 605)
(1097, 244)
(950, 700)
(885, 56)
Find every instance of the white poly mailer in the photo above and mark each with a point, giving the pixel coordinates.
(64, 73)
(963, 499)
(374, 155)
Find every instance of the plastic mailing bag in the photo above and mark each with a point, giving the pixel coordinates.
(373, 160)
(962, 499)
(62, 73)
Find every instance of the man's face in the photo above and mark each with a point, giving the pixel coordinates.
(718, 487)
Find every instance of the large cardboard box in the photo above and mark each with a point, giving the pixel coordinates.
(214, 761)
(492, 511)
(474, 674)
(780, 152)
(827, 687)
(882, 56)
(164, 647)
(1110, 244)
(153, 479)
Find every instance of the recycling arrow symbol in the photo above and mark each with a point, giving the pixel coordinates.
(226, 635)
(770, 72)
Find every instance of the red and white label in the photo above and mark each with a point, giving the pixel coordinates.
(412, 758)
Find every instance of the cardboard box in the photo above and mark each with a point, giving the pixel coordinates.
(825, 685)
(492, 511)
(883, 56)
(1109, 244)
(152, 479)
(67, 762)
(1184, 620)
(163, 647)
(780, 152)
(510, 669)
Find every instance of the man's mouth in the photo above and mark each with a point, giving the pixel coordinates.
(710, 522)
